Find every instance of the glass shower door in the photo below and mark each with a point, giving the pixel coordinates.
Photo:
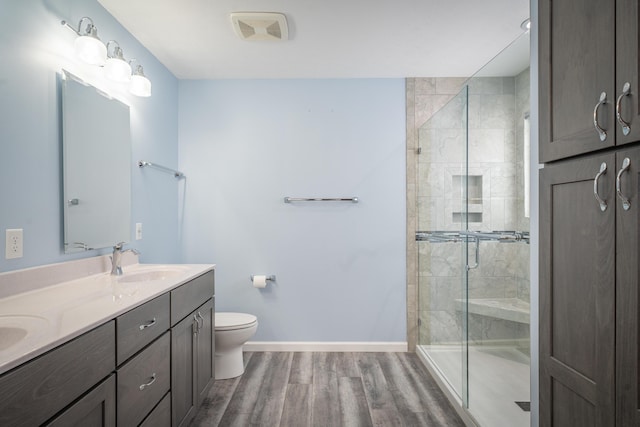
(442, 215)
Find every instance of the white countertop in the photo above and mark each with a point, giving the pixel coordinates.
(54, 314)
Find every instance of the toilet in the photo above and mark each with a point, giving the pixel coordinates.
(232, 331)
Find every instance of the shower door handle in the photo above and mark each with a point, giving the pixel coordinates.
(477, 262)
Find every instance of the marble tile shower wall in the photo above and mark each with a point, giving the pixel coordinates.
(496, 109)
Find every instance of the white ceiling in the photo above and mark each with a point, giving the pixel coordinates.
(327, 38)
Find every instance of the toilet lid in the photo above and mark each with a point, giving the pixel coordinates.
(225, 321)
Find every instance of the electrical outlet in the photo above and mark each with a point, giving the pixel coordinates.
(138, 231)
(13, 243)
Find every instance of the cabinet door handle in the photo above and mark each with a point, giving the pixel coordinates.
(201, 318)
(145, 385)
(626, 204)
(601, 132)
(603, 203)
(196, 326)
(626, 126)
(148, 324)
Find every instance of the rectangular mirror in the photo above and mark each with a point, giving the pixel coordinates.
(97, 167)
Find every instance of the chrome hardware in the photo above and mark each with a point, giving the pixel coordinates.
(461, 236)
(626, 204)
(201, 318)
(175, 173)
(319, 199)
(197, 325)
(477, 262)
(148, 324)
(73, 202)
(603, 203)
(145, 385)
(116, 258)
(271, 278)
(601, 132)
(626, 126)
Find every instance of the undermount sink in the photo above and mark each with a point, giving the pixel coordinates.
(16, 328)
(150, 275)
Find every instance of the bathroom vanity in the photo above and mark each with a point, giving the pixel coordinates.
(136, 349)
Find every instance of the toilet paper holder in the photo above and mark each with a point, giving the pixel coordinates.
(271, 278)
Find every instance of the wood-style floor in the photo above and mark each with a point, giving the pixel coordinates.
(327, 390)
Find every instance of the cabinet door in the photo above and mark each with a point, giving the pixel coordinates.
(183, 371)
(577, 63)
(39, 389)
(577, 294)
(628, 321)
(96, 409)
(206, 343)
(627, 65)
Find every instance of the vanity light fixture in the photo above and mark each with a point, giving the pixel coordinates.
(88, 45)
(140, 85)
(116, 68)
(91, 50)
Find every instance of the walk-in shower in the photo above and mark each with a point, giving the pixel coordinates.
(473, 223)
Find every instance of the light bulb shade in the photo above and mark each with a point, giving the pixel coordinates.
(140, 85)
(90, 49)
(117, 70)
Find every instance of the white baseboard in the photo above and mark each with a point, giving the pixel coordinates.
(340, 346)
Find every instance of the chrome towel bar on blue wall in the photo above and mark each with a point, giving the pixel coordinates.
(174, 172)
(315, 199)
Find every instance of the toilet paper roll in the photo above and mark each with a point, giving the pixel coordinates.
(259, 281)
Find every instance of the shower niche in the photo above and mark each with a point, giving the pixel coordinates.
(472, 212)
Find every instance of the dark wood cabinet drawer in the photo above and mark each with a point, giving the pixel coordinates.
(140, 326)
(97, 408)
(37, 390)
(192, 294)
(143, 381)
(161, 414)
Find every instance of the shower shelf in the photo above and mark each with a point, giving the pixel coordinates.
(512, 309)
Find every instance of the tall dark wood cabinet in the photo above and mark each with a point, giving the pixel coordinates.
(587, 48)
(577, 294)
(589, 213)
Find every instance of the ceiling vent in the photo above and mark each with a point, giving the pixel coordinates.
(260, 26)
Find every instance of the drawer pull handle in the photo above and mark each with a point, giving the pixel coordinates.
(153, 380)
(626, 204)
(148, 324)
(601, 132)
(603, 203)
(626, 126)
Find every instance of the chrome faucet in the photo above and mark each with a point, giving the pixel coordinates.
(116, 258)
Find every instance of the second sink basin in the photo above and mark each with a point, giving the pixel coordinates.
(150, 275)
(15, 329)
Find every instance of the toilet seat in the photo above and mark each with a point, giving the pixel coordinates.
(233, 321)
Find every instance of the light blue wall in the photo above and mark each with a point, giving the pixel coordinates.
(34, 47)
(341, 268)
